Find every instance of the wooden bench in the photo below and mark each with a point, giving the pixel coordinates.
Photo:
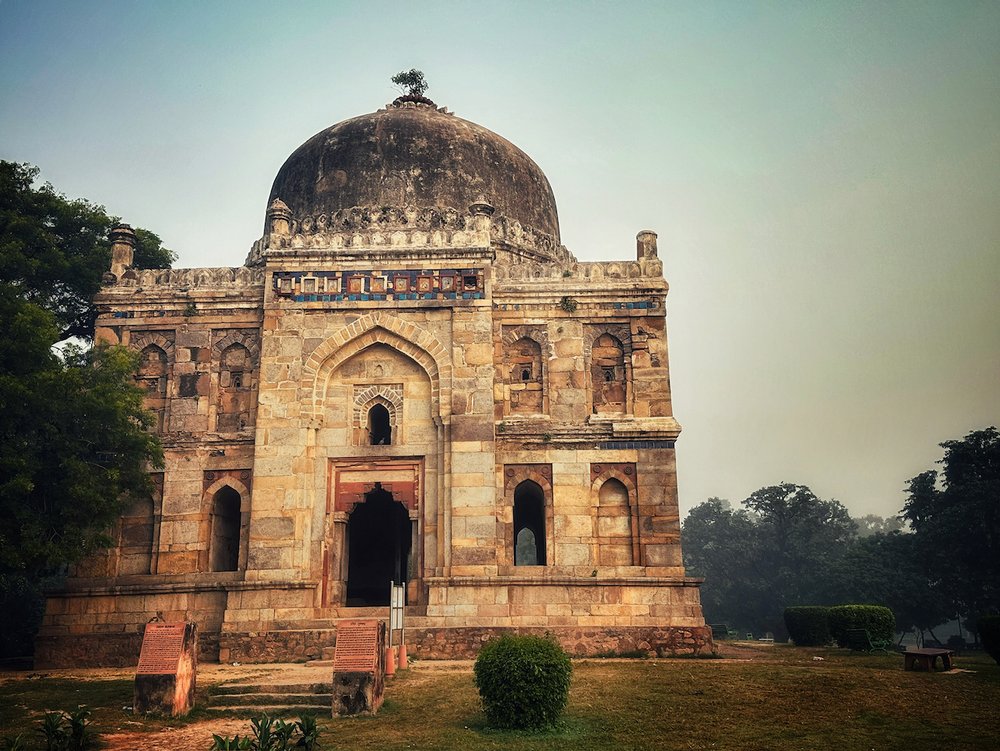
(926, 659)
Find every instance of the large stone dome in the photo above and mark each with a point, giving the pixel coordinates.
(412, 154)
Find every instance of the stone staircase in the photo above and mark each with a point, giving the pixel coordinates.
(286, 698)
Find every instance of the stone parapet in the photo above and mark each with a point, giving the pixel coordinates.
(215, 278)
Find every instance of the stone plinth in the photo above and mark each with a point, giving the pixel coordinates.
(359, 667)
(165, 675)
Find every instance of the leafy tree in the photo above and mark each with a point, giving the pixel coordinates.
(780, 551)
(411, 82)
(872, 524)
(801, 537)
(74, 446)
(887, 569)
(955, 517)
(53, 250)
(719, 544)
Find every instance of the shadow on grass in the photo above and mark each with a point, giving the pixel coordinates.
(567, 729)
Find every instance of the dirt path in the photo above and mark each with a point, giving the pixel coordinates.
(194, 737)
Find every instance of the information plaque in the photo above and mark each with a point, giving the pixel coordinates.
(167, 670)
(161, 649)
(356, 650)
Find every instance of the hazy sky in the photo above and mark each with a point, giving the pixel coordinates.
(824, 178)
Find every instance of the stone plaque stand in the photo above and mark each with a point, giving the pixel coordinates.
(165, 675)
(359, 667)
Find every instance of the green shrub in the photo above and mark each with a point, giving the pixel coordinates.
(523, 681)
(67, 731)
(989, 635)
(877, 620)
(808, 625)
(270, 734)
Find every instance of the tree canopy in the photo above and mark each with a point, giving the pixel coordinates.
(53, 250)
(788, 547)
(955, 515)
(779, 551)
(74, 446)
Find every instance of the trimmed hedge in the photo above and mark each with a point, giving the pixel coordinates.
(878, 620)
(808, 625)
(989, 634)
(523, 681)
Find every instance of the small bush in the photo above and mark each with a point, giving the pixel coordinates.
(67, 731)
(270, 734)
(878, 620)
(523, 681)
(989, 635)
(808, 625)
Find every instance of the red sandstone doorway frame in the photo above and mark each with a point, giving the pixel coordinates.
(348, 481)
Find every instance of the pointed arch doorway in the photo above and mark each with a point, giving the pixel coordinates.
(379, 535)
(374, 531)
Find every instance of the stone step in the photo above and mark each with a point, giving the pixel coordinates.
(271, 699)
(274, 709)
(236, 689)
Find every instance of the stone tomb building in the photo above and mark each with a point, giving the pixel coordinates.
(410, 379)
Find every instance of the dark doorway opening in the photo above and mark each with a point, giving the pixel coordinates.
(378, 539)
(529, 524)
(225, 547)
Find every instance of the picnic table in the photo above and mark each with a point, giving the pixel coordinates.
(926, 659)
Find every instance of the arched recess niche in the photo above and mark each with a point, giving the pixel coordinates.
(614, 492)
(523, 484)
(607, 352)
(376, 328)
(377, 369)
(226, 503)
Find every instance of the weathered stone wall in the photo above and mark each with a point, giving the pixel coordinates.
(458, 642)
(493, 371)
(92, 630)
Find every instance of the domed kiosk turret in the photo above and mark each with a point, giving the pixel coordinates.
(413, 165)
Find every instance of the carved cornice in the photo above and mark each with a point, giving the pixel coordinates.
(183, 279)
(587, 271)
(407, 227)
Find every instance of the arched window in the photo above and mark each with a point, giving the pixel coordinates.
(224, 549)
(524, 376)
(614, 525)
(607, 374)
(379, 426)
(235, 389)
(529, 524)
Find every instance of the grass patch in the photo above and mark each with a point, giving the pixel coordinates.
(778, 698)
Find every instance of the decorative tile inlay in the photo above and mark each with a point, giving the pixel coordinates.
(379, 284)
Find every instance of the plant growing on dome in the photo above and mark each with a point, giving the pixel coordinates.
(411, 82)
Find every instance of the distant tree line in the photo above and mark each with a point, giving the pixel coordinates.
(938, 560)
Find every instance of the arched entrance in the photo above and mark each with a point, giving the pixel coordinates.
(224, 550)
(378, 544)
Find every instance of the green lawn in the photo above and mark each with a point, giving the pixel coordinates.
(779, 698)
